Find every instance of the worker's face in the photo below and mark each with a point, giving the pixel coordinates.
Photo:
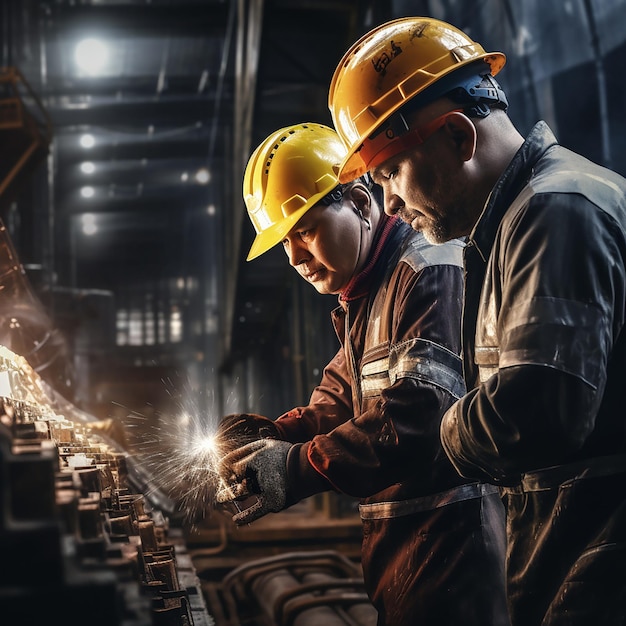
(426, 186)
(327, 246)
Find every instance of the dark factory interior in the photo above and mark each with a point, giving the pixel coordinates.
(128, 308)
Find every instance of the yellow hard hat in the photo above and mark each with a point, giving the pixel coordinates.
(287, 174)
(387, 67)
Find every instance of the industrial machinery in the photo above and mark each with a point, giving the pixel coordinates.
(79, 542)
(87, 537)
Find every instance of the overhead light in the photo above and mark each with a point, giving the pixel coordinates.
(87, 192)
(87, 167)
(91, 55)
(87, 140)
(90, 226)
(203, 176)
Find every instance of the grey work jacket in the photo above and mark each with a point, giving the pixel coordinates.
(545, 363)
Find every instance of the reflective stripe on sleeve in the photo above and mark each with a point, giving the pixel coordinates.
(428, 362)
(569, 336)
(419, 359)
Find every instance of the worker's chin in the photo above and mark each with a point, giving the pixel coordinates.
(323, 288)
(326, 287)
(436, 233)
(432, 236)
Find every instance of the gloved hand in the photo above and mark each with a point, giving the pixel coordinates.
(260, 468)
(238, 429)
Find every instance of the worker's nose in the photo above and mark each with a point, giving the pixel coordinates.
(297, 252)
(393, 204)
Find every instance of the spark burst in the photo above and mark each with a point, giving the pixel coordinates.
(180, 452)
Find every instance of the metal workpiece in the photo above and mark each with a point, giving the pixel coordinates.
(147, 534)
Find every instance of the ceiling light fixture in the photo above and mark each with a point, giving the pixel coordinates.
(90, 227)
(203, 176)
(91, 56)
(87, 140)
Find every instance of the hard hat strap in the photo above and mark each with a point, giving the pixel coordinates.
(468, 85)
(479, 93)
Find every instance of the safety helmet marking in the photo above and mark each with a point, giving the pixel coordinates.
(380, 64)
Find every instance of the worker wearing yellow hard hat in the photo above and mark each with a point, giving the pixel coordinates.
(288, 173)
(371, 428)
(405, 62)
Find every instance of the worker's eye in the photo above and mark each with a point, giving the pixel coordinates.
(304, 234)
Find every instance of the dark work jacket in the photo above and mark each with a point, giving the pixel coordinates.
(545, 361)
(433, 542)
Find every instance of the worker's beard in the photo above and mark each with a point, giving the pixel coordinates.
(454, 223)
(436, 230)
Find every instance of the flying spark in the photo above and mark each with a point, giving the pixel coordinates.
(180, 451)
(185, 458)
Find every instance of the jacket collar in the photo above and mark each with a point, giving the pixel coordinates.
(359, 285)
(509, 185)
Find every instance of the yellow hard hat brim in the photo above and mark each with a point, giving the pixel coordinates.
(351, 168)
(273, 235)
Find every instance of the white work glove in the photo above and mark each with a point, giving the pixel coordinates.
(258, 468)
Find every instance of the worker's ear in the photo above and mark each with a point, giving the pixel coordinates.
(361, 200)
(462, 132)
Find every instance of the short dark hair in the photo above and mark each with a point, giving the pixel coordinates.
(337, 193)
(333, 196)
(377, 194)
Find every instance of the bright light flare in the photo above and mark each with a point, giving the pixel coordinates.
(203, 176)
(180, 450)
(205, 446)
(87, 140)
(91, 56)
